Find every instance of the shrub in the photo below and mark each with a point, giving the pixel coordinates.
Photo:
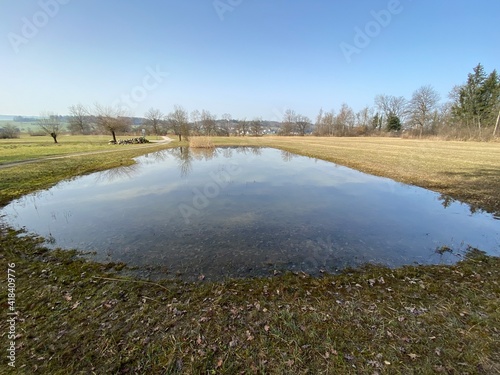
(9, 131)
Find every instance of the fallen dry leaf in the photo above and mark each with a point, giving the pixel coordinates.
(249, 336)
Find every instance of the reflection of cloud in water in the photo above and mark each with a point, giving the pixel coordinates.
(128, 194)
(155, 157)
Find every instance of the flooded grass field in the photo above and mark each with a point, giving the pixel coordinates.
(239, 212)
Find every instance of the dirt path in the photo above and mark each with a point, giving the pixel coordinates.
(16, 163)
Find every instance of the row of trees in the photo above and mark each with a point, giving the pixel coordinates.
(390, 113)
(472, 111)
(199, 123)
(82, 120)
(104, 119)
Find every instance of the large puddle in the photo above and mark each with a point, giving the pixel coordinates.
(249, 212)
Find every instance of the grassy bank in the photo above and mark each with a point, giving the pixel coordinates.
(81, 317)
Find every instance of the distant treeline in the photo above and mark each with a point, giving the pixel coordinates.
(24, 119)
(472, 112)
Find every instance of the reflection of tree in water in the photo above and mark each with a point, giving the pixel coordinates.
(287, 156)
(185, 155)
(256, 151)
(203, 153)
(184, 160)
(157, 156)
(446, 201)
(248, 150)
(227, 152)
(118, 173)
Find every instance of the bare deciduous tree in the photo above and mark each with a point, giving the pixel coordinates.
(154, 120)
(325, 123)
(80, 119)
(422, 107)
(364, 118)
(225, 124)
(256, 127)
(111, 119)
(195, 122)
(344, 121)
(178, 122)
(395, 105)
(208, 123)
(242, 127)
(302, 124)
(50, 123)
(288, 123)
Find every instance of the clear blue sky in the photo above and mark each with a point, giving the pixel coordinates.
(255, 59)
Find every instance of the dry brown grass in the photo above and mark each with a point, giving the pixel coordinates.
(201, 142)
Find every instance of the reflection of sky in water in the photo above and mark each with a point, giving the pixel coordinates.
(270, 210)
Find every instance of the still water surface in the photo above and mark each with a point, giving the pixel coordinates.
(250, 212)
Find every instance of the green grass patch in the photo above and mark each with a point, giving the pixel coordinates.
(29, 148)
